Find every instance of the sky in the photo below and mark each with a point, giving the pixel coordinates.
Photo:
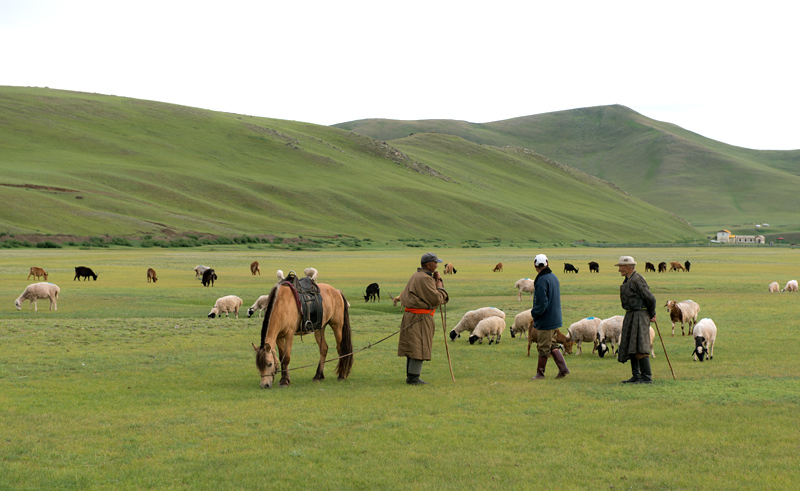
(724, 69)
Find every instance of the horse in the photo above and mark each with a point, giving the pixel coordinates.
(282, 321)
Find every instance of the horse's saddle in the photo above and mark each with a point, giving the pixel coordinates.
(309, 302)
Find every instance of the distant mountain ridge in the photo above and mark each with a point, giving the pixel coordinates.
(89, 164)
(708, 183)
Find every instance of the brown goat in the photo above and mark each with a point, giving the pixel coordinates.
(498, 267)
(151, 275)
(675, 265)
(560, 338)
(254, 268)
(37, 272)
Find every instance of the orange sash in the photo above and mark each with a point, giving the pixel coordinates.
(422, 311)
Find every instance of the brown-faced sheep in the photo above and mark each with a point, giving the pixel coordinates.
(791, 286)
(470, 320)
(230, 303)
(151, 275)
(524, 285)
(684, 312)
(584, 330)
(36, 273)
(38, 291)
(491, 327)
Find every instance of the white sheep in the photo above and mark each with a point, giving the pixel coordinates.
(36, 291)
(490, 327)
(705, 333)
(199, 270)
(685, 312)
(791, 286)
(471, 319)
(774, 287)
(523, 285)
(280, 276)
(652, 342)
(522, 322)
(311, 273)
(260, 304)
(584, 330)
(609, 332)
(231, 303)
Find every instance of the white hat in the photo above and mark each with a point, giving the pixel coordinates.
(540, 260)
(626, 261)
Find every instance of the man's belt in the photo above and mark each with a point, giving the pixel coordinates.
(422, 311)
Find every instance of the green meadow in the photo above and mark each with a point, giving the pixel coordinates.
(130, 386)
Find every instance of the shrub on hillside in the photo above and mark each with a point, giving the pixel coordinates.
(48, 244)
(121, 242)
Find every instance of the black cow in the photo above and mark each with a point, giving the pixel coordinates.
(649, 267)
(662, 267)
(686, 265)
(594, 267)
(208, 277)
(568, 268)
(373, 290)
(84, 272)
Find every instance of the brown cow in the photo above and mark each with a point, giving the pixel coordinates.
(37, 272)
(560, 338)
(254, 268)
(675, 265)
(498, 267)
(151, 275)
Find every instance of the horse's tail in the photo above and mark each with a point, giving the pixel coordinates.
(346, 346)
(265, 325)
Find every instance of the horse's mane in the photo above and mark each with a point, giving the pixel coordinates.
(272, 294)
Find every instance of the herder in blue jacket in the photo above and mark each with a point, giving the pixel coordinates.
(546, 314)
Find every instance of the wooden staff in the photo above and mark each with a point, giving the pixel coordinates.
(446, 348)
(665, 351)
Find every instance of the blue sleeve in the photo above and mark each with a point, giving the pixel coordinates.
(540, 301)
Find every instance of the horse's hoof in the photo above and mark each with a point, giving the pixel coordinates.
(341, 378)
(318, 379)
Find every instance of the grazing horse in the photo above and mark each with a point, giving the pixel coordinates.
(282, 321)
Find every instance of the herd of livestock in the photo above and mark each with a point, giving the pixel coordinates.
(486, 322)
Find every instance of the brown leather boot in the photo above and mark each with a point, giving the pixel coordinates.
(563, 371)
(540, 368)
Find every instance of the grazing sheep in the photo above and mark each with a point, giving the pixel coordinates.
(594, 267)
(471, 319)
(38, 291)
(705, 333)
(373, 290)
(684, 312)
(260, 305)
(662, 267)
(524, 285)
(450, 269)
(491, 327)
(791, 286)
(584, 330)
(649, 267)
(533, 336)
(254, 268)
(675, 265)
(231, 303)
(85, 273)
(199, 270)
(522, 322)
(498, 267)
(311, 273)
(568, 268)
(36, 273)
(280, 276)
(609, 332)
(151, 275)
(774, 287)
(686, 265)
(209, 277)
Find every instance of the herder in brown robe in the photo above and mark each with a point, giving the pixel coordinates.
(640, 311)
(421, 296)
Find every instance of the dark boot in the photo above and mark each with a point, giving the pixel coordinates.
(414, 366)
(647, 374)
(563, 371)
(540, 368)
(634, 371)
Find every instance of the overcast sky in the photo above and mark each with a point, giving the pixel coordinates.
(726, 70)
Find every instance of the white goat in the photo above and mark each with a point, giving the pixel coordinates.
(685, 312)
(524, 285)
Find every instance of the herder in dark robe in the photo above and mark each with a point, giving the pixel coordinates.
(640, 311)
(421, 296)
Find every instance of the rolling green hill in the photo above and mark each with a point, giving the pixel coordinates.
(86, 164)
(710, 184)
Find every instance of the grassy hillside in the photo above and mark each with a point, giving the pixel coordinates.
(78, 163)
(708, 183)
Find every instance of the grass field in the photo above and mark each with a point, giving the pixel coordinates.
(130, 386)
